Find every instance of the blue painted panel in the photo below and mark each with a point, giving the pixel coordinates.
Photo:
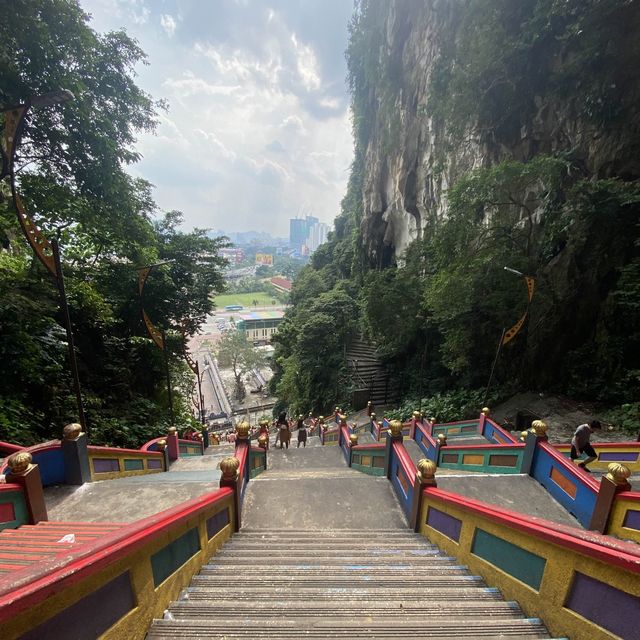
(217, 523)
(406, 499)
(584, 503)
(51, 465)
(425, 446)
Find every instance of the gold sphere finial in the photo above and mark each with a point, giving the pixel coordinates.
(523, 436)
(172, 431)
(417, 415)
(486, 411)
(71, 431)
(229, 467)
(321, 419)
(263, 440)
(353, 439)
(343, 419)
(242, 430)
(264, 422)
(426, 469)
(442, 439)
(373, 415)
(19, 462)
(540, 428)
(618, 473)
(395, 428)
(161, 444)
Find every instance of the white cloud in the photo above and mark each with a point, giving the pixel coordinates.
(168, 23)
(256, 129)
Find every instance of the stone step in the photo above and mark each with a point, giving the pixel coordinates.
(392, 555)
(443, 628)
(304, 572)
(345, 583)
(329, 560)
(213, 609)
(361, 545)
(247, 598)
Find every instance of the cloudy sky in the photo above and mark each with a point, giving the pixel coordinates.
(258, 127)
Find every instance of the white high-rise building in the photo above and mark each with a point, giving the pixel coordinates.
(317, 236)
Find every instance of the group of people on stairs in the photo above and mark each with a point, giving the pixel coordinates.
(285, 426)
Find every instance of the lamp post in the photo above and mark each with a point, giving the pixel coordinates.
(157, 335)
(508, 335)
(48, 252)
(199, 376)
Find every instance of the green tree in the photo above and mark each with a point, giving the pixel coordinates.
(236, 352)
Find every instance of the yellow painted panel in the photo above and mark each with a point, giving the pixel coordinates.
(473, 459)
(366, 461)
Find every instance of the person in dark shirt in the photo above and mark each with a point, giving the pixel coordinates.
(580, 443)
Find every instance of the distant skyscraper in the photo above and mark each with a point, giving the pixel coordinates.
(299, 230)
(317, 236)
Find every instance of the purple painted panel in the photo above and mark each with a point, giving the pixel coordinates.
(623, 456)
(632, 520)
(104, 465)
(444, 523)
(154, 464)
(607, 606)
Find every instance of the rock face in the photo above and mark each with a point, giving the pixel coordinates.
(410, 162)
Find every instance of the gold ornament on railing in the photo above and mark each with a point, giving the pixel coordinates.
(442, 439)
(263, 423)
(353, 439)
(618, 473)
(19, 462)
(229, 467)
(71, 431)
(523, 436)
(486, 411)
(540, 428)
(172, 431)
(343, 420)
(263, 440)
(395, 428)
(242, 430)
(417, 416)
(161, 444)
(426, 470)
(373, 416)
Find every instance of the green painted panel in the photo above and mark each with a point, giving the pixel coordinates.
(517, 562)
(372, 471)
(134, 465)
(20, 512)
(174, 555)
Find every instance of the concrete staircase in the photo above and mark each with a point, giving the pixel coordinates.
(369, 373)
(339, 583)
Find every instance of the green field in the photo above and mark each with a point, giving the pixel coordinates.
(245, 299)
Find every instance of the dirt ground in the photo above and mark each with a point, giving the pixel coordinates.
(562, 415)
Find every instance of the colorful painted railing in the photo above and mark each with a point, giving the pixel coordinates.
(345, 443)
(494, 432)
(107, 463)
(624, 519)
(257, 461)
(6, 448)
(487, 458)
(626, 453)
(152, 445)
(428, 445)
(573, 489)
(402, 473)
(13, 506)
(456, 429)
(190, 448)
(48, 456)
(368, 458)
(115, 587)
(583, 585)
(331, 436)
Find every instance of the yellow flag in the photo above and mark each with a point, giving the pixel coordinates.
(509, 335)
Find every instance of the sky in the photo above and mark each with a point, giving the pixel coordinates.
(258, 127)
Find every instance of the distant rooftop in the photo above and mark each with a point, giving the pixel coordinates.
(261, 315)
(281, 283)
